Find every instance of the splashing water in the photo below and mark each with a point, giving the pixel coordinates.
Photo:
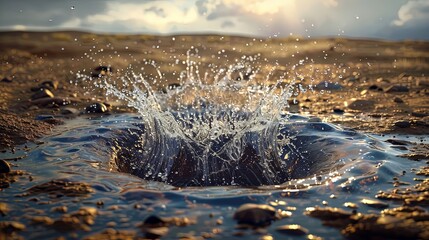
(219, 131)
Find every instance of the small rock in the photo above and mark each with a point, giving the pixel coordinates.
(4, 166)
(360, 104)
(43, 117)
(96, 108)
(419, 114)
(293, 229)
(255, 214)
(375, 88)
(11, 226)
(154, 221)
(325, 85)
(398, 142)
(42, 220)
(6, 80)
(374, 203)
(327, 213)
(397, 88)
(380, 80)
(4, 209)
(43, 93)
(398, 100)
(49, 84)
(350, 205)
(402, 124)
(338, 110)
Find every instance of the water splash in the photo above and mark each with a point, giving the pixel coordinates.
(223, 130)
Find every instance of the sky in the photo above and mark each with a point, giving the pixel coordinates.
(385, 19)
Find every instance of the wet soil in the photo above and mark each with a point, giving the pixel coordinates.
(369, 85)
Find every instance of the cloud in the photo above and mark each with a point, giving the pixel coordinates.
(227, 24)
(157, 16)
(413, 12)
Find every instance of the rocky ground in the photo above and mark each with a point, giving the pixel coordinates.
(369, 85)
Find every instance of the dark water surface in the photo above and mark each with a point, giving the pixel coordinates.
(323, 161)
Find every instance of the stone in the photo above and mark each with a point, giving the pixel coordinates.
(402, 124)
(325, 85)
(360, 104)
(327, 213)
(43, 117)
(255, 214)
(292, 229)
(50, 84)
(42, 93)
(350, 205)
(398, 100)
(4, 209)
(397, 88)
(374, 87)
(374, 203)
(6, 80)
(4, 166)
(154, 221)
(338, 110)
(96, 108)
(11, 226)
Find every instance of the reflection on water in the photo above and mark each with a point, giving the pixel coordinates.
(331, 160)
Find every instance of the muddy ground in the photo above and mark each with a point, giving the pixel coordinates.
(370, 85)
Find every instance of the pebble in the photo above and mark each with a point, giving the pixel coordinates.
(4, 209)
(361, 104)
(255, 214)
(4, 166)
(374, 203)
(154, 221)
(43, 117)
(11, 226)
(42, 93)
(327, 213)
(292, 229)
(374, 87)
(350, 205)
(325, 85)
(338, 110)
(96, 108)
(398, 100)
(6, 80)
(380, 80)
(49, 84)
(397, 88)
(403, 124)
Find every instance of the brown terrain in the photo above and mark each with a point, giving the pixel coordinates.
(374, 86)
(370, 85)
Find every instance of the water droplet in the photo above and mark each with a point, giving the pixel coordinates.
(72, 8)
